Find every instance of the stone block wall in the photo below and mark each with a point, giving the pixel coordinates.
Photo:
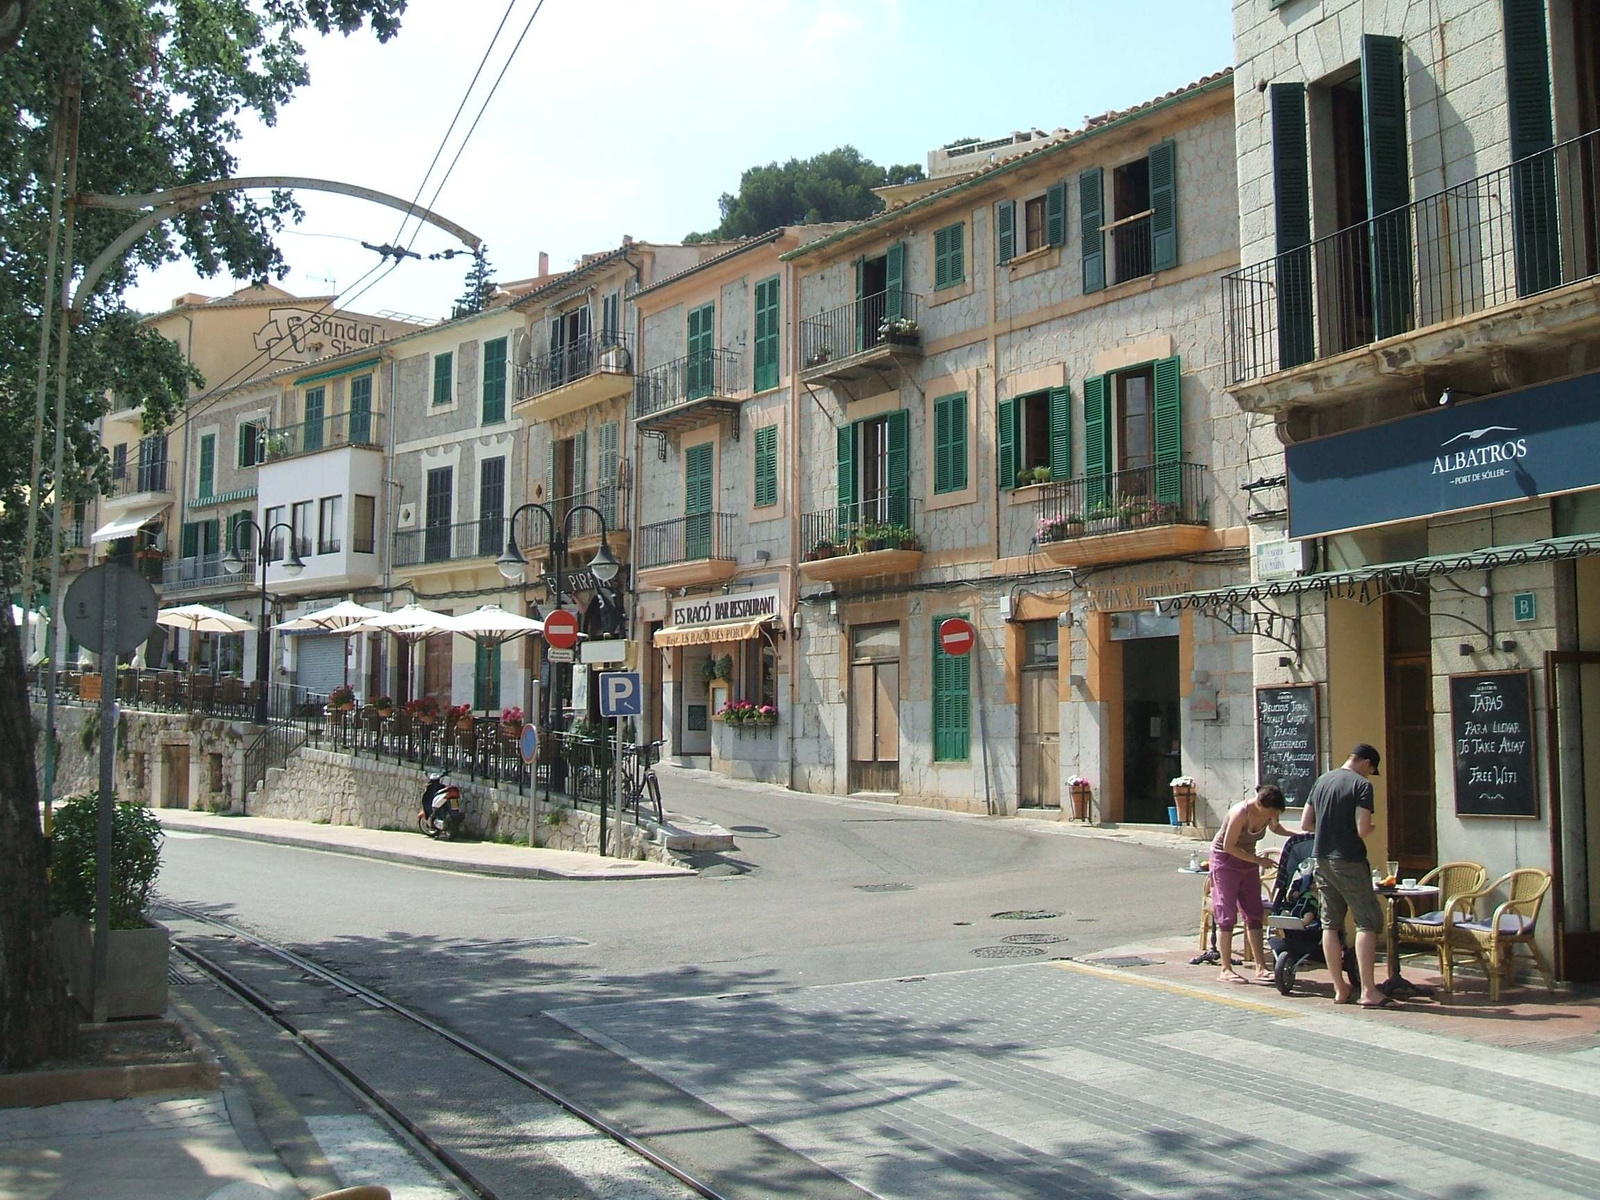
(152, 748)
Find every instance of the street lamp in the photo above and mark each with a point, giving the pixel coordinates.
(233, 564)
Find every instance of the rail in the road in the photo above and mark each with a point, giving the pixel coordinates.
(392, 1100)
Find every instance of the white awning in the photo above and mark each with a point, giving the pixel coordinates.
(710, 635)
(127, 524)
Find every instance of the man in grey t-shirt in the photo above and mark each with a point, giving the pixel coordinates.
(1340, 812)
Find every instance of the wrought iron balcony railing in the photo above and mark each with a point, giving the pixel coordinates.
(886, 522)
(331, 432)
(611, 499)
(687, 539)
(1515, 232)
(693, 377)
(145, 477)
(187, 574)
(1165, 494)
(483, 538)
(888, 318)
(606, 350)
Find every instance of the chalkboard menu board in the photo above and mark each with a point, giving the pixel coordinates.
(1287, 753)
(1491, 730)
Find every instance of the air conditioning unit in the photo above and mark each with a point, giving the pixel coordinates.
(407, 518)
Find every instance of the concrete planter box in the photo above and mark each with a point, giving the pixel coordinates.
(136, 973)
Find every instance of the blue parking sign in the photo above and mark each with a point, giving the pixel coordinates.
(621, 694)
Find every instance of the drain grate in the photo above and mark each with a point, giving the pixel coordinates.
(1026, 914)
(182, 973)
(1006, 952)
(1129, 960)
(1032, 939)
(884, 887)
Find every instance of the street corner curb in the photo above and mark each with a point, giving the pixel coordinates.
(201, 1072)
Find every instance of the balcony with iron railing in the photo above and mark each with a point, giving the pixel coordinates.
(204, 572)
(149, 479)
(332, 432)
(1124, 516)
(582, 530)
(862, 339)
(450, 545)
(860, 540)
(689, 551)
(1447, 273)
(589, 370)
(688, 392)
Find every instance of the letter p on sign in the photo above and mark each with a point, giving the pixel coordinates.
(621, 694)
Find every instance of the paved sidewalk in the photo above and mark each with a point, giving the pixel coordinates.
(478, 858)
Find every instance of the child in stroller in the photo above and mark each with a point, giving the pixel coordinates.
(1296, 918)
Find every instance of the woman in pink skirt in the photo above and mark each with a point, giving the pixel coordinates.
(1236, 875)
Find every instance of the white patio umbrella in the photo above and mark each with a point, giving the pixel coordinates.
(341, 618)
(200, 618)
(409, 625)
(492, 626)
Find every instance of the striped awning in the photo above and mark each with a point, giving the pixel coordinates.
(232, 497)
(710, 635)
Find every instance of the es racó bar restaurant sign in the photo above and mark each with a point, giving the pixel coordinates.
(1537, 441)
(712, 610)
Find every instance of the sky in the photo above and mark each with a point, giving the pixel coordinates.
(633, 116)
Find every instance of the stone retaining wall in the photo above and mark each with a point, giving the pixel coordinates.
(165, 760)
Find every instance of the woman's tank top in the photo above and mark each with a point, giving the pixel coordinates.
(1248, 838)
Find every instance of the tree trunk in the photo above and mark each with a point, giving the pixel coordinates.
(37, 1017)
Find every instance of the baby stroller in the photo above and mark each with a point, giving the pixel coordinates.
(1296, 917)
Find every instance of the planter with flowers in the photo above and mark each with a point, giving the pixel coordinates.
(1184, 790)
(767, 715)
(1078, 787)
(424, 710)
(385, 706)
(460, 716)
(739, 715)
(511, 721)
(899, 331)
(342, 698)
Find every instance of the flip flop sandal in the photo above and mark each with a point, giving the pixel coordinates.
(1386, 1002)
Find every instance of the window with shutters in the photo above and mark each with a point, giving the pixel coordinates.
(610, 465)
(950, 443)
(315, 406)
(439, 494)
(766, 490)
(1133, 434)
(486, 677)
(444, 375)
(207, 475)
(494, 380)
(1033, 224)
(952, 699)
(119, 461)
(1130, 220)
(361, 410)
(1035, 438)
(766, 335)
(491, 505)
(949, 256)
(251, 434)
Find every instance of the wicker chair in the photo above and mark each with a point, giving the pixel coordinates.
(1457, 882)
(1493, 943)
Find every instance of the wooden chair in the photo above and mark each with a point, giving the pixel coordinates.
(230, 693)
(1457, 883)
(205, 692)
(147, 689)
(1493, 943)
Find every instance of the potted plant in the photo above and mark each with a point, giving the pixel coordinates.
(819, 356)
(342, 698)
(766, 714)
(511, 721)
(277, 445)
(460, 716)
(1041, 475)
(424, 710)
(899, 331)
(1055, 529)
(1183, 797)
(136, 979)
(737, 712)
(385, 706)
(823, 549)
(725, 668)
(1078, 787)
(708, 670)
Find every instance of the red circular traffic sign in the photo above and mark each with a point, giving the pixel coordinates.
(956, 635)
(561, 629)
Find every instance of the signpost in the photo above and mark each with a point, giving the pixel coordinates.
(621, 695)
(957, 635)
(561, 630)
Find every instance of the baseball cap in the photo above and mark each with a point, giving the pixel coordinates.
(1367, 752)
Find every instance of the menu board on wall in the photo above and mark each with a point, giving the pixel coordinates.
(1491, 732)
(1287, 752)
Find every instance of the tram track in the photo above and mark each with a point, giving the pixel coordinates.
(450, 1158)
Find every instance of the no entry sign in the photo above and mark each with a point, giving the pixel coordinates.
(956, 635)
(561, 630)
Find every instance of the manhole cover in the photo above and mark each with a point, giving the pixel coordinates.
(1032, 939)
(883, 887)
(1026, 914)
(1131, 960)
(1006, 952)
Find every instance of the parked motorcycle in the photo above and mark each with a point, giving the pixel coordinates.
(441, 814)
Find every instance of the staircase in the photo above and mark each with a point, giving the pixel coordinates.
(294, 719)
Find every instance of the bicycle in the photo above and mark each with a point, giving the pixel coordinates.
(639, 783)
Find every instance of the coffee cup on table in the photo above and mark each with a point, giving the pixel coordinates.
(1410, 883)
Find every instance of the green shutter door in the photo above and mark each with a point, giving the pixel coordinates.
(950, 443)
(698, 374)
(361, 410)
(442, 367)
(494, 381)
(610, 455)
(311, 431)
(1388, 182)
(1005, 223)
(898, 466)
(894, 283)
(191, 539)
(861, 307)
(1163, 163)
(847, 475)
(210, 532)
(697, 501)
(766, 466)
(486, 678)
(208, 465)
(1090, 208)
(1168, 430)
(1291, 206)
(1060, 434)
(766, 360)
(1096, 440)
(1055, 215)
(952, 700)
(1006, 440)
(1533, 184)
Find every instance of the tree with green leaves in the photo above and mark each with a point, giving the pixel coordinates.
(479, 287)
(835, 186)
(162, 85)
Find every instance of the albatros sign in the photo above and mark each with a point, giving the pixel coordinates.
(1513, 446)
(737, 606)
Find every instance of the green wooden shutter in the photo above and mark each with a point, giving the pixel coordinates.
(1060, 434)
(191, 539)
(1005, 224)
(1096, 439)
(766, 466)
(1006, 440)
(361, 410)
(208, 465)
(1168, 430)
(950, 443)
(210, 532)
(1090, 208)
(952, 700)
(580, 463)
(245, 452)
(697, 471)
(766, 350)
(1388, 182)
(1163, 163)
(311, 431)
(1533, 184)
(486, 678)
(698, 370)
(494, 381)
(610, 461)
(898, 465)
(1291, 206)
(1055, 215)
(443, 366)
(861, 307)
(894, 282)
(847, 472)
(949, 267)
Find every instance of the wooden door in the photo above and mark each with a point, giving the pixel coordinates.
(175, 776)
(436, 667)
(1039, 737)
(1408, 760)
(874, 709)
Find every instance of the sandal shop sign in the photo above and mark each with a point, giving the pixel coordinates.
(1538, 441)
(761, 604)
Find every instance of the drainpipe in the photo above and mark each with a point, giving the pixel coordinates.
(795, 635)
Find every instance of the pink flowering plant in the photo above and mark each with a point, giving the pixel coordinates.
(767, 714)
(512, 716)
(737, 712)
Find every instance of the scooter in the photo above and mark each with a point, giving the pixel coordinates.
(441, 814)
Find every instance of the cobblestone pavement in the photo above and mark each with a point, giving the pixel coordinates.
(1060, 1079)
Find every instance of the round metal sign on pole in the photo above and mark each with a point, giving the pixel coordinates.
(561, 629)
(111, 584)
(956, 635)
(528, 745)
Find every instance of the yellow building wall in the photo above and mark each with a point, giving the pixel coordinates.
(1355, 698)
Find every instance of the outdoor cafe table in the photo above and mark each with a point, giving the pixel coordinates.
(1397, 985)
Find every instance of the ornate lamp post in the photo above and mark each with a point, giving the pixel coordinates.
(233, 564)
